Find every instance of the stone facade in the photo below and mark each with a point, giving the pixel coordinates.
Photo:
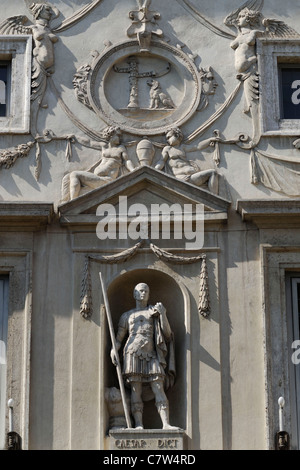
(117, 108)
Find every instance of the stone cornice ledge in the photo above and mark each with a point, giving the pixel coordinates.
(270, 213)
(25, 215)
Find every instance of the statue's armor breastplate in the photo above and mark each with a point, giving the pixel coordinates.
(141, 335)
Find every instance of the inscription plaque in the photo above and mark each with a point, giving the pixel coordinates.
(147, 439)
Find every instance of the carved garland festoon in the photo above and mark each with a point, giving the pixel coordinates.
(86, 304)
(8, 157)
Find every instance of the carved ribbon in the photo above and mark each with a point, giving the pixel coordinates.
(215, 116)
(91, 133)
(86, 291)
(78, 15)
(204, 21)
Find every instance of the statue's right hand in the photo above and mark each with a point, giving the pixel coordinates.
(114, 358)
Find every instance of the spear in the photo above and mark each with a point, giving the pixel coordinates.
(114, 346)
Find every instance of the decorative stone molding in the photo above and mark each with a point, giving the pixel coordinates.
(271, 52)
(270, 213)
(152, 67)
(25, 216)
(18, 51)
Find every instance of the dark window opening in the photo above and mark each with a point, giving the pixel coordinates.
(289, 79)
(4, 87)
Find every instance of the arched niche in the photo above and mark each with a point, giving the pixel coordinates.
(163, 288)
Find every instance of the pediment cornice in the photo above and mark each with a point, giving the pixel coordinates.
(144, 185)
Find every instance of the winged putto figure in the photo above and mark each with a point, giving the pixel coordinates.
(44, 37)
(43, 50)
(250, 25)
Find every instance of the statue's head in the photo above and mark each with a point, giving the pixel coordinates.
(251, 17)
(43, 10)
(209, 84)
(112, 132)
(141, 291)
(174, 136)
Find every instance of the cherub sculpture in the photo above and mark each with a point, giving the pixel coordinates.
(250, 25)
(43, 50)
(44, 37)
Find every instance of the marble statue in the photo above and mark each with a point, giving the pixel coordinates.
(148, 335)
(174, 154)
(248, 22)
(250, 25)
(113, 157)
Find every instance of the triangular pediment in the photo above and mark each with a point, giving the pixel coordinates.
(147, 186)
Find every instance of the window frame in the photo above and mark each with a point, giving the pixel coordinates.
(273, 54)
(17, 49)
(276, 263)
(285, 66)
(4, 302)
(17, 265)
(293, 311)
(7, 63)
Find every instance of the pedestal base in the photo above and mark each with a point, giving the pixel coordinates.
(147, 439)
